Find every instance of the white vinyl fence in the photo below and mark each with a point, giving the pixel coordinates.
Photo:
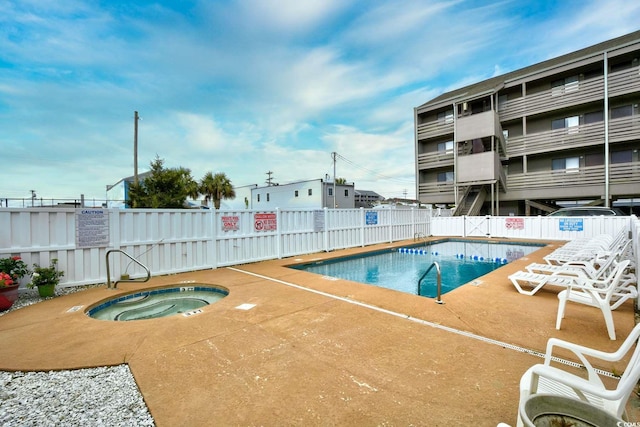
(178, 240)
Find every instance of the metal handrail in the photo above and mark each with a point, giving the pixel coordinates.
(115, 283)
(439, 282)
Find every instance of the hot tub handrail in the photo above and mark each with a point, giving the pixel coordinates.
(439, 281)
(115, 283)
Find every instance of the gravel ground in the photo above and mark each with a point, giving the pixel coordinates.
(105, 396)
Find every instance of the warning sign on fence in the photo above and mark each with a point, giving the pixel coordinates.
(514, 223)
(265, 222)
(230, 223)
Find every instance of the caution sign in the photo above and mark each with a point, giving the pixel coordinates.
(92, 228)
(265, 222)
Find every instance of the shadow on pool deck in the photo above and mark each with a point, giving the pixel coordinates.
(315, 351)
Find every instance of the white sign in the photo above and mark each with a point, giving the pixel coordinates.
(92, 228)
(318, 221)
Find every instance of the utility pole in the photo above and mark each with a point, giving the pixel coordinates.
(135, 147)
(335, 200)
(268, 181)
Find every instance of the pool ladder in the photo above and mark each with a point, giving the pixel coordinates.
(439, 281)
(146, 279)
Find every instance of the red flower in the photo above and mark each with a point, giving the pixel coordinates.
(5, 280)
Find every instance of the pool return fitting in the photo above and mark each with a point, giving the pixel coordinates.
(439, 282)
(146, 279)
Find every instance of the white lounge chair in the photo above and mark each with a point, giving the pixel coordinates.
(547, 379)
(605, 296)
(536, 281)
(593, 269)
(598, 246)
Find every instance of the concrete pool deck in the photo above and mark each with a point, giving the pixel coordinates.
(314, 351)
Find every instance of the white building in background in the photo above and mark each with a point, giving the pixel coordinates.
(241, 201)
(312, 194)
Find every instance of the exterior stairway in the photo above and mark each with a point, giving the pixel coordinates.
(472, 201)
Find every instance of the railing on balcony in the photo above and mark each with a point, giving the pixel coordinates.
(622, 129)
(435, 159)
(438, 192)
(619, 173)
(552, 99)
(625, 81)
(620, 83)
(436, 128)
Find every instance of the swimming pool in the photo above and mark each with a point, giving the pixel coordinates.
(400, 269)
(152, 304)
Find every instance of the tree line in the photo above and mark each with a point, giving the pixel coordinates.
(170, 188)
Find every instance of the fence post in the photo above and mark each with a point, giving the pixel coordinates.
(212, 252)
(390, 219)
(325, 236)
(278, 234)
(362, 225)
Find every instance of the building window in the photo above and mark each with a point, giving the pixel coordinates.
(446, 147)
(594, 159)
(267, 197)
(621, 156)
(258, 197)
(346, 193)
(330, 191)
(593, 117)
(445, 176)
(567, 85)
(624, 111)
(571, 123)
(295, 193)
(569, 164)
(309, 192)
(445, 117)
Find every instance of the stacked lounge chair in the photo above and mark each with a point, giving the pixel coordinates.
(571, 264)
(598, 275)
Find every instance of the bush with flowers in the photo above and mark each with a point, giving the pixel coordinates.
(15, 267)
(46, 275)
(5, 280)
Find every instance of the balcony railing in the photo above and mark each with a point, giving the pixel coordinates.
(624, 82)
(434, 129)
(435, 159)
(438, 192)
(620, 174)
(620, 83)
(552, 99)
(622, 129)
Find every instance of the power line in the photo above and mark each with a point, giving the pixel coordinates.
(374, 172)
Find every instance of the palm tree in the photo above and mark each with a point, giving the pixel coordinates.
(216, 188)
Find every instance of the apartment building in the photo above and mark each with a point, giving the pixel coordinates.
(566, 130)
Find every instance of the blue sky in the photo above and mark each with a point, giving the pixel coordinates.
(247, 87)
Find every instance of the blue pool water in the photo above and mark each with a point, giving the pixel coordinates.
(460, 262)
(163, 302)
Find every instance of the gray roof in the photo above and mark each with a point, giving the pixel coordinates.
(367, 193)
(493, 84)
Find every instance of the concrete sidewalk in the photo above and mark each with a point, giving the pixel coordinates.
(314, 351)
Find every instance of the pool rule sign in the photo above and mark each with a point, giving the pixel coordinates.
(92, 228)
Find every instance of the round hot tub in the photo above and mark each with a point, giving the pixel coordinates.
(160, 302)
